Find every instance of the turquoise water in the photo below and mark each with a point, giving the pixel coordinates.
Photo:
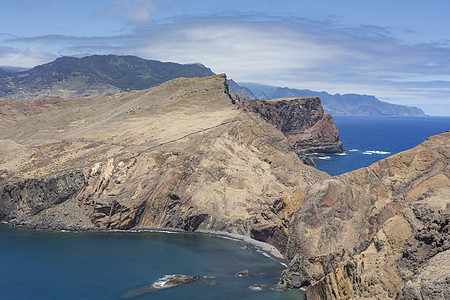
(64, 265)
(375, 138)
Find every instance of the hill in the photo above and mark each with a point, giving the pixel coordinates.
(181, 155)
(187, 155)
(337, 104)
(73, 77)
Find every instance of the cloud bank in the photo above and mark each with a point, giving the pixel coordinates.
(293, 52)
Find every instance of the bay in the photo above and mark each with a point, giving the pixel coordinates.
(69, 265)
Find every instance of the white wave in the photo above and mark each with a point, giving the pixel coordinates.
(324, 157)
(161, 282)
(342, 153)
(352, 150)
(264, 253)
(370, 152)
(229, 238)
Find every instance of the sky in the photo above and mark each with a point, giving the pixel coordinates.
(398, 50)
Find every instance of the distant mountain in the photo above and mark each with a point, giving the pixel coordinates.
(240, 90)
(337, 104)
(13, 69)
(73, 77)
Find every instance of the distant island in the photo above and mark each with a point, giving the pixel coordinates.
(337, 104)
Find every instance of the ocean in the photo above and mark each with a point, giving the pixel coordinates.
(67, 265)
(70, 265)
(368, 139)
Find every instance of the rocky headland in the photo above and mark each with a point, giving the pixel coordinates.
(177, 156)
(189, 155)
(302, 120)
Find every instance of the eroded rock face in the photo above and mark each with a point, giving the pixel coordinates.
(377, 232)
(302, 121)
(177, 156)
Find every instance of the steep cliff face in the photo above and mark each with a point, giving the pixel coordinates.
(377, 232)
(177, 156)
(302, 121)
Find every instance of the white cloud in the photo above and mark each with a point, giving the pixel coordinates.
(132, 11)
(426, 78)
(26, 58)
(298, 53)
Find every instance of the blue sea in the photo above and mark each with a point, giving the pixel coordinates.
(65, 265)
(368, 139)
(69, 265)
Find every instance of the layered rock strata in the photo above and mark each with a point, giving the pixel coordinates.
(302, 121)
(177, 156)
(380, 232)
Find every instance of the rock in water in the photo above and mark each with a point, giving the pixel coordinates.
(173, 280)
(167, 281)
(257, 287)
(243, 273)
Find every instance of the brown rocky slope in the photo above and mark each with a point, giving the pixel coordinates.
(185, 155)
(177, 156)
(380, 232)
(302, 120)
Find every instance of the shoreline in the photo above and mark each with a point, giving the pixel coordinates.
(265, 248)
(262, 247)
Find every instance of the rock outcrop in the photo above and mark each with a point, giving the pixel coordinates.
(302, 121)
(379, 232)
(167, 281)
(177, 156)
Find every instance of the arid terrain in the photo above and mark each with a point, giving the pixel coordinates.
(189, 155)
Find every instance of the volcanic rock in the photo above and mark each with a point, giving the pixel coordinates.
(302, 121)
(257, 287)
(164, 282)
(176, 156)
(378, 232)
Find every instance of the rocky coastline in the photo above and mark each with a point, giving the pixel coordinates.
(265, 248)
(186, 157)
(189, 156)
(302, 120)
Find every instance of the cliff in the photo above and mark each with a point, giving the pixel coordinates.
(178, 156)
(380, 232)
(302, 121)
(189, 155)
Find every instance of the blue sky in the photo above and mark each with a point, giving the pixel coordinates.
(397, 50)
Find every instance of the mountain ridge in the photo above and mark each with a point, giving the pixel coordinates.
(73, 77)
(337, 104)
